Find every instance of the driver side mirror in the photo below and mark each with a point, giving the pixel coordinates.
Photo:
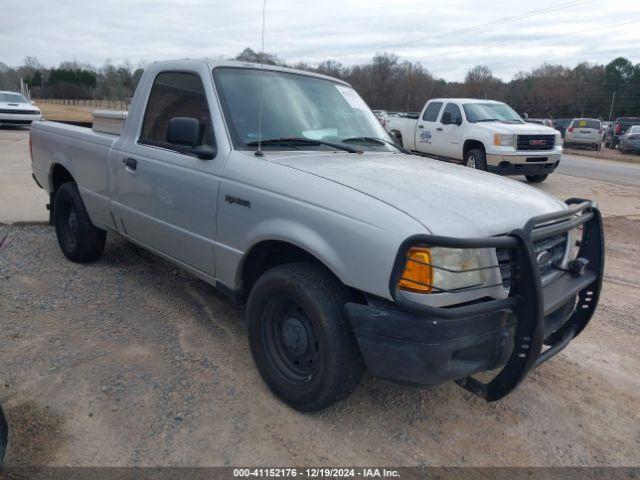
(185, 132)
(446, 118)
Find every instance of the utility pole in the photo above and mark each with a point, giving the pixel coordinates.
(611, 109)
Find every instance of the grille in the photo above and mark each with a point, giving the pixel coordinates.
(535, 142)
(555, 246)
(19, 112)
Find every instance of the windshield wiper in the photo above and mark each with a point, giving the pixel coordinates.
(301, 141)
(488, 120)
(379, 141)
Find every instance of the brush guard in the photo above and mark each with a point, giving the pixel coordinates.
(527, 299)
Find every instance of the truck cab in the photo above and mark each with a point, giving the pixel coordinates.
(282, 190)
(482, 134)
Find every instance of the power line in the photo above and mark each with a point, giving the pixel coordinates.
(475, 49)
(532, 13)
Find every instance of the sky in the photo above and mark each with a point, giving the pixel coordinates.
(447, 36)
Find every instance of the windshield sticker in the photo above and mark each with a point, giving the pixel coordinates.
(425, 136)
(352, 98)
(320, 134)
(583, 123)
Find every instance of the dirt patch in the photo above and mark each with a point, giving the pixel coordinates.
(604, 153)
(76, 113)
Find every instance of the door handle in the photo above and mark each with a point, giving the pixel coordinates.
(420, 126)
(130, 163)
(439, 129)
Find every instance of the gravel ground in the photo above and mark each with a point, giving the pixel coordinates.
(130, 361)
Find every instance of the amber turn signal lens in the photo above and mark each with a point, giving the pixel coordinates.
(418, 273)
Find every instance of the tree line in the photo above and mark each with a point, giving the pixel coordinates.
(386, 82)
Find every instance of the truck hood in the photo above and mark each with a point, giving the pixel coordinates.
(517, 128)
(446, 199)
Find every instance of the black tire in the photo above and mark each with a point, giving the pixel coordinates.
(478, 157)
(79, 239)
(300, 338)
(537, 178)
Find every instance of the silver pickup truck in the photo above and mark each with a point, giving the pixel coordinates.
(281, 189)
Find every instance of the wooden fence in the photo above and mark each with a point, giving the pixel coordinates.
(107, 104)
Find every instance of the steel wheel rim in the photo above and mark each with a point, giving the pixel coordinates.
(290, 341)
(70, 225)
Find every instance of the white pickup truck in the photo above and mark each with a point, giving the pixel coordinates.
(281, 188)
(482, 134)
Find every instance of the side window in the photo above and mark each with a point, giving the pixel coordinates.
(454, 110)
(176, 94)
(431, 112)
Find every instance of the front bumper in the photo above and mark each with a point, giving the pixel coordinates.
(18, 119)
(425, 345)
(523, 164)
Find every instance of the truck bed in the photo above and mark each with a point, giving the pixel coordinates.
(83, 152)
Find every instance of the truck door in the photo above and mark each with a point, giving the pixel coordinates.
(164, 197)
(451, 132)
(426, 134)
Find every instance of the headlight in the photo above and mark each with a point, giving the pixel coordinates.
(503, 140)
(558, 140)
(438, 269)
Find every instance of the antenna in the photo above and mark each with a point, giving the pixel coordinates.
(259, 150)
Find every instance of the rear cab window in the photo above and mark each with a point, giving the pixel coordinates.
(431, 112)
(586, 123)
(175, 94)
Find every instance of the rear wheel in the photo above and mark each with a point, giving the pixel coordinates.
(79, 239)
(537, 178)
(476, 158)
(300, 339)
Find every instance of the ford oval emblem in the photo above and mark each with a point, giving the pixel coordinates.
(543, 258)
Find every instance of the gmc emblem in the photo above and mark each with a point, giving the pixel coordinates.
(537, 142)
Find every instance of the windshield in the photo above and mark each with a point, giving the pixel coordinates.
(295, 107)
(12, 98)
(484, 112)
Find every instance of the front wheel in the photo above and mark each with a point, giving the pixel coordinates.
(536, 178)
(476, 158)
(300, 339)
(79, 239)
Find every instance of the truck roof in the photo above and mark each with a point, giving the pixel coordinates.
(235, 64)
(466, 100)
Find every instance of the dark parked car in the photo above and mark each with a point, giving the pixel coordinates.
(630, 141)
(561, 124)
(620, 126)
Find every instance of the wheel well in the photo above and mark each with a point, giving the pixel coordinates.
(271, 253)
(470, 145)
(60, 175)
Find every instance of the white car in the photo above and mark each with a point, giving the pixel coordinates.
(15, 109)
(482, 134)
(586, 132)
